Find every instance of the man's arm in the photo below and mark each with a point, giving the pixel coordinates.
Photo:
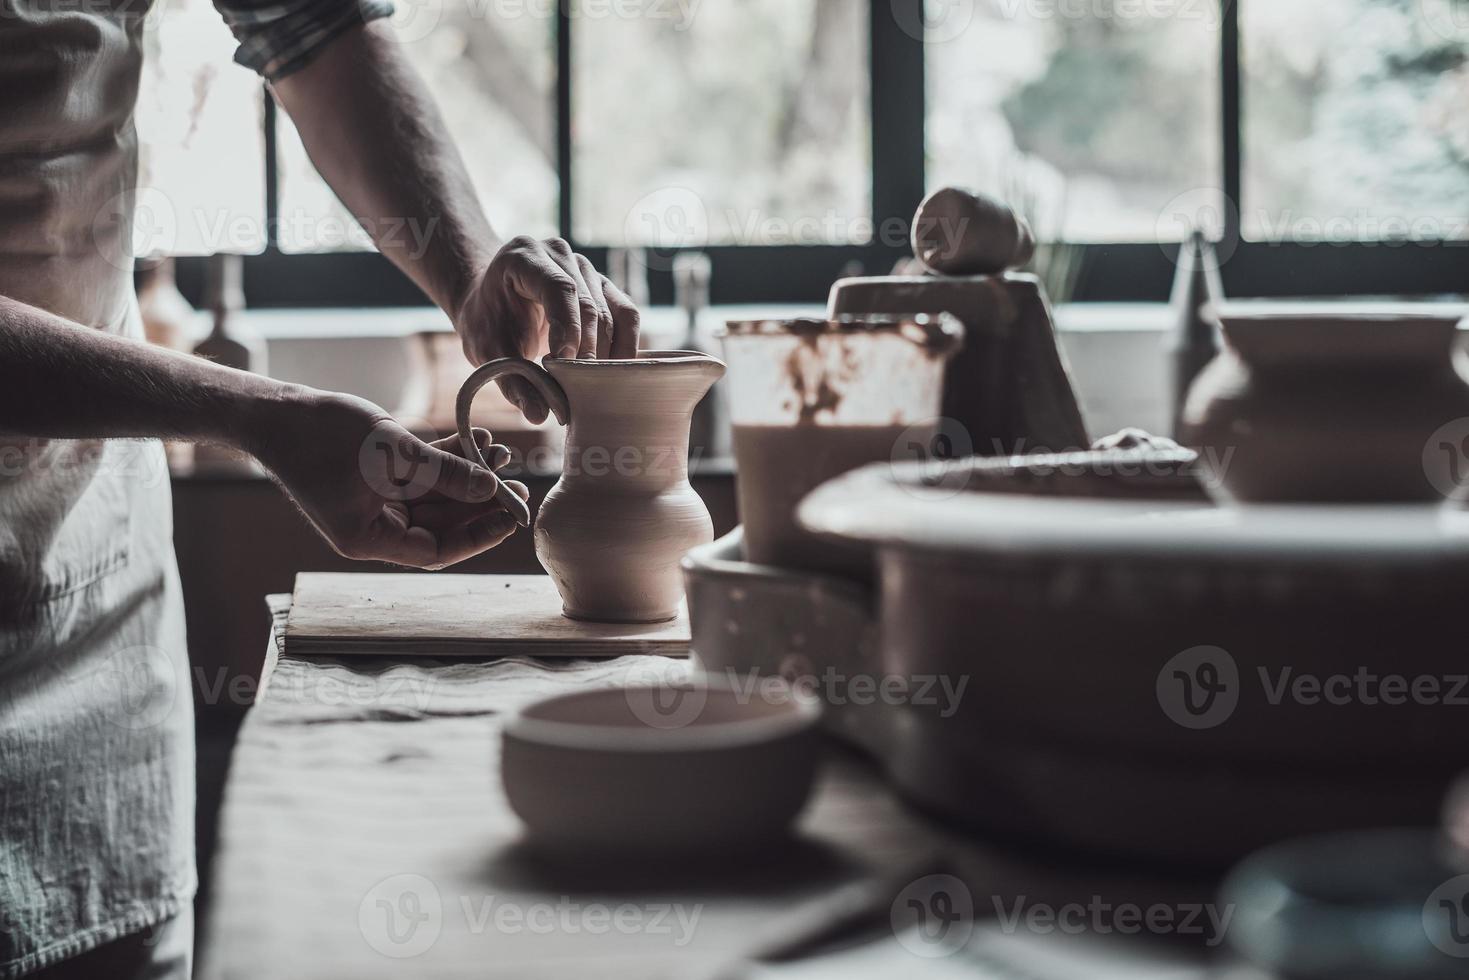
(373, 131)
(60, 380)
(370, 487)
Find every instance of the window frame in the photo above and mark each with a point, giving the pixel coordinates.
(1120, 272)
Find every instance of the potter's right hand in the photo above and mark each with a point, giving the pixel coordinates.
(377, 492)
(538, 297)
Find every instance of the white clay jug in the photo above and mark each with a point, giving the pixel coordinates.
(614, 528)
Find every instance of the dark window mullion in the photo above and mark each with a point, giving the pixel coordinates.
(1231, 115)
(898, 109)
(563, 114)
(272, 174)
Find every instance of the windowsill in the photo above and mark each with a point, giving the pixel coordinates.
(668, 321)
(404, 321)
(389, 322)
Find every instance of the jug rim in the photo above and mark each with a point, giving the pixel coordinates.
(645, 358)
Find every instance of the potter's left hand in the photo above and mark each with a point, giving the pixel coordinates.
(540, 296)
(374, 490)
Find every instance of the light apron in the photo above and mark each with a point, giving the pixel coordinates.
(96, 726)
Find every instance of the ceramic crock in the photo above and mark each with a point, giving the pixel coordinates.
(612, 530)
(1157, 677)
(1325, 407)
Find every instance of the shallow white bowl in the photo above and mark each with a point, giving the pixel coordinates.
(703, 766)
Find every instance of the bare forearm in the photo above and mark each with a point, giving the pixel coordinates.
(64, 381)
(374, 132)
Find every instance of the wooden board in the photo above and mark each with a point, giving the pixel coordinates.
(339, 614)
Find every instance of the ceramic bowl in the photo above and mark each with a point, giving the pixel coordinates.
(705, 766)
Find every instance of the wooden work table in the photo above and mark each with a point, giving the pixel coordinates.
(365, 834)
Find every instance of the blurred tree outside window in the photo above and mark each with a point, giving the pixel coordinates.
(743, 122)
(1356, 119)
(1101, 119)
(492, 68)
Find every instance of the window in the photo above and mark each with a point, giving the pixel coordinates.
(201, 169)
(791, 139)
(1092, 117)
(1356, 120)
(747, 124)
(492, 69)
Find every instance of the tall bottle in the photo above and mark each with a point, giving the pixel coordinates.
(628, 270)
(1193, 340)
(708, 432)
(230, 343)
(168, 321)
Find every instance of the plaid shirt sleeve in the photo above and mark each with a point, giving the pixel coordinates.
(279, 36)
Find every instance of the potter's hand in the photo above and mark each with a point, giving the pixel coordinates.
(537, 297)
(375, 491)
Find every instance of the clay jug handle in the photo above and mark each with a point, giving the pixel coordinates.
(483, 375)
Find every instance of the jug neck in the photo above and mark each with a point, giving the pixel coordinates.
(630, 419)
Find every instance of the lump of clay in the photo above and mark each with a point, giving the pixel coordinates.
(1131, 438)
(959, 233)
